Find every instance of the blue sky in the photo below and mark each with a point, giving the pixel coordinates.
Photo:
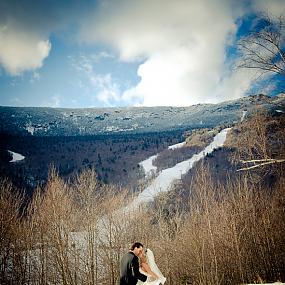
(126, 52)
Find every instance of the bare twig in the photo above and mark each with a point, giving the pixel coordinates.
(263, 50)
(262, 163)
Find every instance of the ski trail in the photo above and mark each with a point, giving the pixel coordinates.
(166, 177)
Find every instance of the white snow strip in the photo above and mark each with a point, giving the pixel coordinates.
(279, 111)
(16, 156)
(148, 166)
(178, 145)
(166, 177)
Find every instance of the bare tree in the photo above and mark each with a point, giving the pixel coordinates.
(87, 199)
(10, 234)
(264, 48)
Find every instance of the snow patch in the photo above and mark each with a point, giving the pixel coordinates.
(117, 129)
(147, 165)
(16, 156)
(112, 129)
(30, 129)
(178, 145)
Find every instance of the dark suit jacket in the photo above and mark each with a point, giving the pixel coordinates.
(130, 270)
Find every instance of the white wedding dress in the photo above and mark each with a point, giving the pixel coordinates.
(154, 268)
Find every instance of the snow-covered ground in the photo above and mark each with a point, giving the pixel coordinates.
(167, 176)
(178, 145)
(147, 164)
(16, 156)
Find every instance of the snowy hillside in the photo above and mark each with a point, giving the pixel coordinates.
(95, 121)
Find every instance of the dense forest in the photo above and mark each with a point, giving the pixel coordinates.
(114, 157)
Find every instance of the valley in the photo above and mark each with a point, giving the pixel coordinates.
(104, 140)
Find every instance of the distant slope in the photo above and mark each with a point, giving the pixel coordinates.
(39, 121)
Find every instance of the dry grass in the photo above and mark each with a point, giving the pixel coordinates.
(201, 138)
(229, 236)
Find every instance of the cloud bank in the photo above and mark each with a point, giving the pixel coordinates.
(181, 46)
(25, 29)
(24, 42)
(21, 51)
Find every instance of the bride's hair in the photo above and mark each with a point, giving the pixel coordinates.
(143, 258)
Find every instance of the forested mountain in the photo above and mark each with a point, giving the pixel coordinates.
(110, 141)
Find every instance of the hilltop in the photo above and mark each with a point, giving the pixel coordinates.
(38, 121)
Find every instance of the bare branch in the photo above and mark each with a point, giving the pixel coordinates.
(263, 50)
(263, 162)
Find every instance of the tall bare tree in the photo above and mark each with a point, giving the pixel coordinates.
(264, 48)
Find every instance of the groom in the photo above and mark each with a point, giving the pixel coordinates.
(130, 266)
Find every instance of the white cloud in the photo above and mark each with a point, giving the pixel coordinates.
(16, 101)
(101, 55)
(181, 45)
(234, 85)
(35, 77)
(25, 28)
(101, 86)
(21, 50)
(178, 77)
(107, 91)
(53, 102)
(273, 7)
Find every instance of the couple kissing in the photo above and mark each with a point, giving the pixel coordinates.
(138, 267)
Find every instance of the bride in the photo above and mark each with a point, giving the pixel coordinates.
(149, 268)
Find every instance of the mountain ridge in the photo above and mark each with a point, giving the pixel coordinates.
(46, 121)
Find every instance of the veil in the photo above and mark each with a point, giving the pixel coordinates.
(152, 264)
(154, 268)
